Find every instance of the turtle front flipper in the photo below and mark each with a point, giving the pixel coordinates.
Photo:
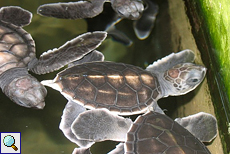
(99, 125)
(161, 65)
(72, 10)
(71, 51)
(15, 15)
(70, 113)
(202, 125)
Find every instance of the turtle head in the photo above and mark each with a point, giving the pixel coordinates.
(183, 78)
(27, 91)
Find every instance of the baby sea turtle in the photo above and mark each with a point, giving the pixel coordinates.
(126, 89)
(87, 127)
(150, 133)
(87, 9)
(17, 56)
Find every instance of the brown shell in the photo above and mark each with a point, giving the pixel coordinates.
(157, 133)
(17, 47)
(118, 87)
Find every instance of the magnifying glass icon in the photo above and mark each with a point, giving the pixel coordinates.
(9, 141)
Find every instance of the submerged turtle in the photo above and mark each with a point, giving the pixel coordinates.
(84, 131)
(126, 89)
(87, 9)
(17, 56)
(150, 133)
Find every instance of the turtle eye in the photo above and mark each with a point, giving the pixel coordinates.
(193, 81)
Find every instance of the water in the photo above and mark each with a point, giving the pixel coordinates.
(172, 32)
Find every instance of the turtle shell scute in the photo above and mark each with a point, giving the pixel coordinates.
(17, 47)
(157, 133)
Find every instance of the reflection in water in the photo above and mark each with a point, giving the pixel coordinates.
(40, 132)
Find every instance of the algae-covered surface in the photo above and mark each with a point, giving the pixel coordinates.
(171, 33)
(217, 16)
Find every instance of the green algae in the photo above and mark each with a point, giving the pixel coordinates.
(217, 16)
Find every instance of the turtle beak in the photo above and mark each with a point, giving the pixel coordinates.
(40, 105)
(204, 71)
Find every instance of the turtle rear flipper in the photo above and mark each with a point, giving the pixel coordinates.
(15, 15)
(71, 51)
(161, 65)
(72, 10)
(202, 125)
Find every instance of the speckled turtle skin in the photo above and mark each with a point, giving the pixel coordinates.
(157, 133)
(122, 88)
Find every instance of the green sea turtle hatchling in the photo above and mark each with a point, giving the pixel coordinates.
(17, 56)
(87, 9)
(126, 89)
(87, 127)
